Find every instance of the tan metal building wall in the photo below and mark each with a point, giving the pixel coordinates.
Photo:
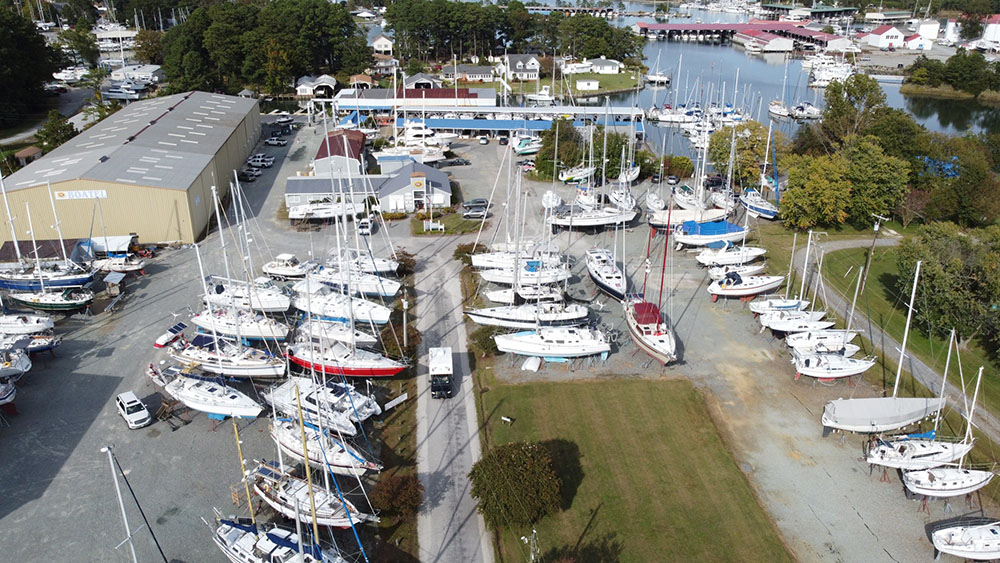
(157, 215)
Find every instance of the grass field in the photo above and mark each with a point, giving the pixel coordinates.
(453, 223)
(646, 476)
(887, 308)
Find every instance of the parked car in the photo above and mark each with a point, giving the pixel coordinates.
(502, 140)
(263, 156)
(276, 142)
(244, 177)
(454, 162)
(484, 140)
(364, 226)
(475, 213)
(260, 163)
(672, 180)
(249, 171)
(528, 166)
(655, 178)
(478, 202)
(284, 119)
(132, 410)
(714, 181)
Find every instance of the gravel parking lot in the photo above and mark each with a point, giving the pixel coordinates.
(59, 502)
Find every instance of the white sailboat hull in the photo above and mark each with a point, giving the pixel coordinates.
(830, 366)
(531, 315)
(944, 482)
(777, 304)
(878, 414)
(752, 285)
(969, 542)
(916, 454)
(729, 256)
(211, 397)
(553, 343)
(594, 218)
(659, 219)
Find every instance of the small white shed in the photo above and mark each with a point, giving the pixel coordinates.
(588, 85)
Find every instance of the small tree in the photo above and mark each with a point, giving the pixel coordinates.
(398, 495)
(515, 484)
(56, 131)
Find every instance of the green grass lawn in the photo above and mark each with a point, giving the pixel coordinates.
(886, 307)
(453, 223)
(646, 476)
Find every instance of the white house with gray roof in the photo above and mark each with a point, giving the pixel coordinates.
(519, 67)
(412, 187)
(604, 66)
(468, 73)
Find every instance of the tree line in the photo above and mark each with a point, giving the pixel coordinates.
(438, 29)
(965, 71)
(225, 47)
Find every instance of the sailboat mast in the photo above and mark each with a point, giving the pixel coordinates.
(947, 363)
(972, 411)
(10, 220)
(906, 331)
(243, 470)
(222, 238)
(791, 262)
(34, 246)
(305, 455)
(62, 245)
(805, 267)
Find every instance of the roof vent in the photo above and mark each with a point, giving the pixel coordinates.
(104, 158)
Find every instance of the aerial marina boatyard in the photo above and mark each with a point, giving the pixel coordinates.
(472, 313)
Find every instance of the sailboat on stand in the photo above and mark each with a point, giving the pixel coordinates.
(883, 414)
(647, 326)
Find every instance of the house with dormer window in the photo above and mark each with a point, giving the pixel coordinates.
(519, 67)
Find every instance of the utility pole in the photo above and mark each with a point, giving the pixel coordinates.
(121, 504)
(532, 543)
(871, 251)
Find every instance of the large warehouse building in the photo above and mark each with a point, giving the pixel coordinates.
(151, 166)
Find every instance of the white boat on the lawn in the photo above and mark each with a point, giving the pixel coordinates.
(226, 358)
(733, 285)
(210, 396)
(240, 324)
(324, 450)
(719, 272)
(332, 331)
(812, 338)
(294, 498)
(527, 294)
(245, 542)
(577, 174)
(288, 267)
(606, 273)
(969, 541)
(262, 295)
(530, 315)
(792, 326)
(729, 254)
(830, 365)
(329, 304)
(554, 342)
(532, 272)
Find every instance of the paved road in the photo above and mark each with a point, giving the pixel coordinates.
(889, 347)
(449, 527)
(69, 104)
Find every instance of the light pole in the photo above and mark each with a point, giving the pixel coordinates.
(121, 504)
(871, 251)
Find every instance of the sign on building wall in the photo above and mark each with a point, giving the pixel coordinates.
(82, 194)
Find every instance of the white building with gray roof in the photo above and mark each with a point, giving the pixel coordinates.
(151, 165)
(412, 187)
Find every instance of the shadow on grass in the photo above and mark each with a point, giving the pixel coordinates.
(602, 549)
(566, 462)
(890, 288)
(387, 549)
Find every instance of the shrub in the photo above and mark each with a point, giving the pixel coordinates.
(398, 495)
(465, 251)
(515, 484)
(481, 340)
(407, 262)
(394, 216)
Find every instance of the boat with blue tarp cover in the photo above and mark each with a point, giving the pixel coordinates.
(692, 233)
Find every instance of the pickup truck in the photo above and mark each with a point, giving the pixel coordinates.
(440, 368)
